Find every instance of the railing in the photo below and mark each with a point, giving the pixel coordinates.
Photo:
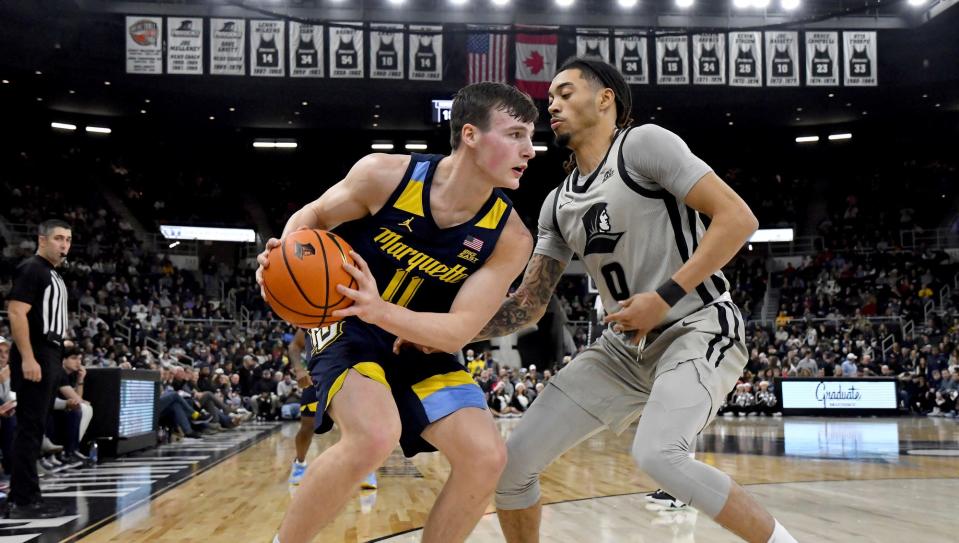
(909, 330)
(927, 308)
(945, 293)
(125, 331)
(800, 245)
(589, 329)
(887, 343)
(939, 238)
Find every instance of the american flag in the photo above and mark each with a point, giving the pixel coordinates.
(487, 57)
(473, 243)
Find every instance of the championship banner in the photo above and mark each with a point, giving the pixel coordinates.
(266, 48)
(672, 60)
(592, 42)
(822, 59)
(306, 50)
(709, 59)
(631, 52)
(346, 50)
(227, 47)
(144, 45)
(745, 59)
(859, 52)
(782, 59)
(184, 45)
(535, 63)
(386, 51)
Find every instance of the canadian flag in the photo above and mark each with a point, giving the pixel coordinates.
(535, 63)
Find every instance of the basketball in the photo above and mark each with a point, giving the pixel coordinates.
(300, 282)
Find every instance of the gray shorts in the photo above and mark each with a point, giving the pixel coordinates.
(612, 379)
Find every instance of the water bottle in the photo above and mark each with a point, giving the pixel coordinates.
(93, 453)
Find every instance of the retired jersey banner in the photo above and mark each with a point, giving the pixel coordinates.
(144, 38)
(859, 52)
(631, 52)
(387, 54)
(184, 45)
(227, 47)
(535, 63)
(782, 59)
(709, 59)
(306, 50)
(672, 60)
(346, 50)
(822, 59)
(745, 59)
(426, 53)
(592, 42)
(266, 48)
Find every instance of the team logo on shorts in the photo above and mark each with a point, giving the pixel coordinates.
(599, 235)
(303, 249)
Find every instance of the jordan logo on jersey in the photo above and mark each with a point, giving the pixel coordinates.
(599, 235)
(406, 223)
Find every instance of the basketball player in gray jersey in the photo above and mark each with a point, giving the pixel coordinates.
(631, 210)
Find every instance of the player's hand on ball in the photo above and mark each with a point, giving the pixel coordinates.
(400, 343)
(367, 304)
(640, 313)
(264, 262)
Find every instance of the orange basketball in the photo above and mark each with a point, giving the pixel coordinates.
(300, 282)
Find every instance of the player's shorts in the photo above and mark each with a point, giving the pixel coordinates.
(425, 387)
(308, 402)
(612, 379)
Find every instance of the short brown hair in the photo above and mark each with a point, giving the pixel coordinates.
(474, 103)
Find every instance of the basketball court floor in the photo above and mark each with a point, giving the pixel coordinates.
(828, 480)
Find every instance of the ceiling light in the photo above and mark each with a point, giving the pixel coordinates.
(212, 117)
(501, 2)
(143, 111)
(628, 3)
(63, 126)
(98, 129)
(539, 147)
(71, 91)
(146, 100)
(6, 81)
(382, 146)
(174, 244)
(917, 3)
(790, 5)
(304, 103)
(38, 72)
(684, 3)
(107, 83)
(834, 137)
(564, 3)
(232, 109)
(742, 4)
(458, 2)
(286, 145)
(39, 99)
(807, 139)
(415, 146)
(761, 4)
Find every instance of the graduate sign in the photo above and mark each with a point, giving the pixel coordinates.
(672, 60)
(184, 45)
(745, 59)
(859, 52)
(630, 47)
(144, 39)
(782, 59)
(306, 50)
(227, 47)
(426, 53)
(346, 50)
(709, 59)
(387, 53)
(267, 48)
(822, 59)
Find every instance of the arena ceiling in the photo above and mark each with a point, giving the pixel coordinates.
(65, 59)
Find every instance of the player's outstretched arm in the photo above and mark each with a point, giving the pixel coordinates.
(528, 304)
(477, 300)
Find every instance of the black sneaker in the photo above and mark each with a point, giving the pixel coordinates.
(71, 460)
(664, 499)
(38, 509)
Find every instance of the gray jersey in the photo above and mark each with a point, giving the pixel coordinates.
(627, 221)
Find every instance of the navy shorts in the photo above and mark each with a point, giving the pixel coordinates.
(308, 402)
(425, 387)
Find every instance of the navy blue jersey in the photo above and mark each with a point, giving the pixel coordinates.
(417, 264)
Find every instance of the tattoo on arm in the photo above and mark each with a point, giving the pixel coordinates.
(529, 301)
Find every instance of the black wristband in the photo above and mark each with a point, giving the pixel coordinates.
(671, 292)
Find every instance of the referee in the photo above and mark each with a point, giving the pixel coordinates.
(37, 309)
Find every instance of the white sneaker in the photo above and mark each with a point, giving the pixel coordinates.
(297, 471)
(664, 499)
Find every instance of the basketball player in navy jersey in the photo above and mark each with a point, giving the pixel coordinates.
(631, 208)
(437, 245)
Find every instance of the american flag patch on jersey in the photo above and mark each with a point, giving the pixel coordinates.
(473, 243)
